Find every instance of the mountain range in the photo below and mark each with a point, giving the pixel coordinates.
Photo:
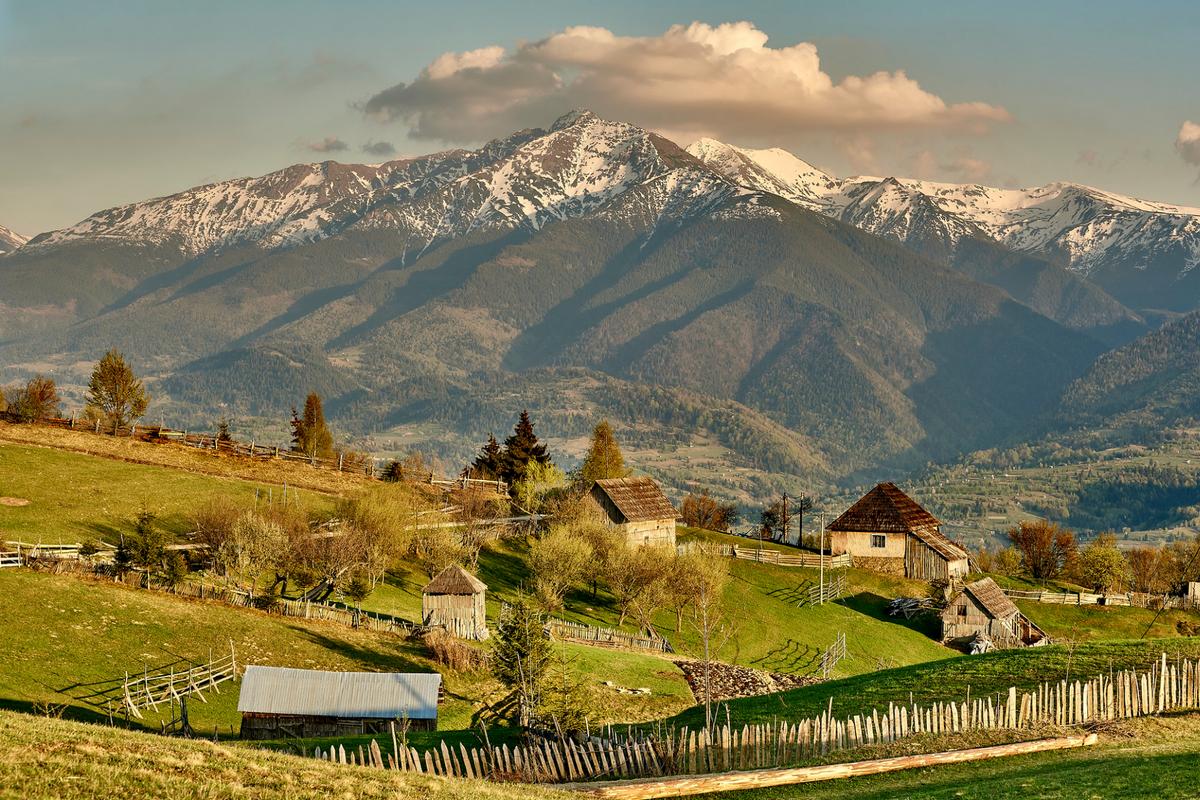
(712, 299)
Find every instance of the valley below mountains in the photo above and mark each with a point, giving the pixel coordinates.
(736, 313)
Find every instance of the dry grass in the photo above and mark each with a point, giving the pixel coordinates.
(47, 758)
(190, 459)
(454, 654)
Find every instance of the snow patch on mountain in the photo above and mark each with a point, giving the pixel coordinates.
(10, 240)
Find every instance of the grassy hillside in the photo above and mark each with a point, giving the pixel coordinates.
(73, 497)
(950, 679)
(49, 759)
(1151, 759)
(79, 631)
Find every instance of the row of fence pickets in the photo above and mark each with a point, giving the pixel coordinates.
(1122, 695)
(1139, 599)
(367, 466)
(579, 632)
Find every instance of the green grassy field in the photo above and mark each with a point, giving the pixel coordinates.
(1150, 759)
(75, 631)
(50, 759)
(74, 497)
(950, 679)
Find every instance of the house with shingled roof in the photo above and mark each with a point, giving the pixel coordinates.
(637, 507)
(983, 609)
(888, 531)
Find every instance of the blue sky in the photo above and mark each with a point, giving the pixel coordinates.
(111, 103)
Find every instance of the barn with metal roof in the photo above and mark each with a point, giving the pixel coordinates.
(637, 507)
(888, 531)
(281, 701)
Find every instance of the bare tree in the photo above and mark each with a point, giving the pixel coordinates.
(559, 560)
(1047, 550)
(708, 577)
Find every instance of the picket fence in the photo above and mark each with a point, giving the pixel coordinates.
(589, 634)
(1165, 687)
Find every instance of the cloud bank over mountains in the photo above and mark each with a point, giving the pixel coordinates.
(690, 81)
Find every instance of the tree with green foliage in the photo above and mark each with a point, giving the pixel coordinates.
(559, 560)
(603, 458)
(521, 448)
(175, 570)
(36, 400)
(310, 434)
(521, 655)
(489, 464)
(223, 434)
(357, 590)
(148, 544)
(115, 395)
(1101, 566)
(539, 480)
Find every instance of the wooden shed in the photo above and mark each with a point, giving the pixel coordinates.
(456, 600)
(277, 702)
(983, 608)
(888, 531)
(638, 508)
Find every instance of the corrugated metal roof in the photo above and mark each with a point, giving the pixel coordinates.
(638, 499)
(311, 692)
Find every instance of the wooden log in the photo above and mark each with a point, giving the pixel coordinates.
(647, 789)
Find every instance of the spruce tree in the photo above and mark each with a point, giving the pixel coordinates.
(489, 464)
(521, 655)
(310, 434)
(603, 459)
(522, 447)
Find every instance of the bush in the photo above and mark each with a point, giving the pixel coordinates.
(454, 653)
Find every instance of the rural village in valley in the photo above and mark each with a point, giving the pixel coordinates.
(584, 440)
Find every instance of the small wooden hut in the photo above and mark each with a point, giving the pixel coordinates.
(982, 608)
(888, 531)
(278, 702)
(455, 600)
(637, 507)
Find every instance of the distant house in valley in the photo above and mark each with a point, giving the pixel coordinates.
(638, 508)
(277, 702)
(455, 600)
(983, 608)
(888, 531)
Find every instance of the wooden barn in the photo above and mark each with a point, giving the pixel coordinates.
(888, 531)
(982, 607)
(636, 507)
(277, 702)
(456, 600)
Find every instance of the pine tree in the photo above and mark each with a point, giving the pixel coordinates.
(223, 434)
(115, 395)
(522, 447)
(310, 434)
(521, 655)
(489, 464)
(603, 459)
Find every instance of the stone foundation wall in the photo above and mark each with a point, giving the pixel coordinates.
(888, 566)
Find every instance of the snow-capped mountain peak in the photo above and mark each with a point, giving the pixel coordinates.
(10, 240)
(1085, 227)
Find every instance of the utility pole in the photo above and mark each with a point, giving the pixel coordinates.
(821, 558)
(785, 521)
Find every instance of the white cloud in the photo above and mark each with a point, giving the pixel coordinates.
(695, 79)
(1187, 143)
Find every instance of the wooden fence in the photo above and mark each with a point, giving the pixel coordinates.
(1139, 599)
(797, 559)
(832, 655)
(606, 637)
(1165, 687)
(343, 462)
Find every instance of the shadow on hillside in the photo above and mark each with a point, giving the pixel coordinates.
(502, 570)
(791, 657)
(393, 659)
(874, 605)
(52, 708)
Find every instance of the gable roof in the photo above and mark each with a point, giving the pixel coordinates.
(885, 509)
(991, 598)
(944, 546)
(638, 499)
(359, 695)
(454, 580)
